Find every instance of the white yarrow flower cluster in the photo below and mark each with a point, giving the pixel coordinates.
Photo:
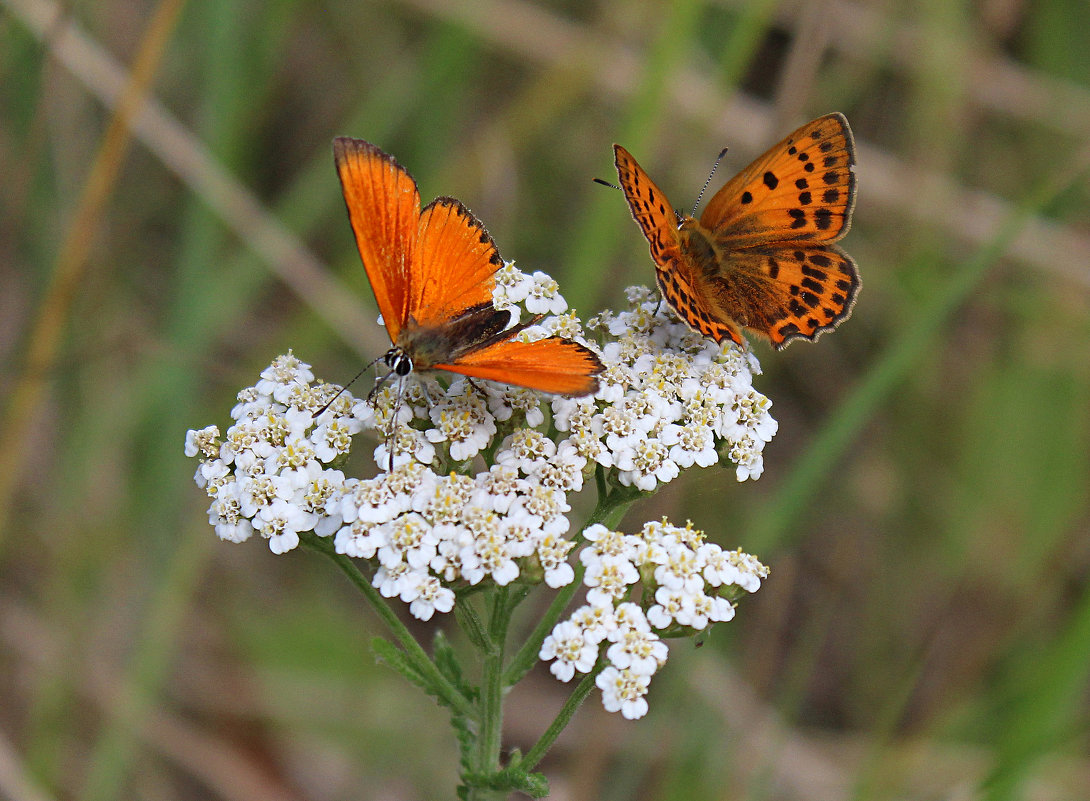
(672, 399)
(431, 522)
(270, 473)
(687, 584)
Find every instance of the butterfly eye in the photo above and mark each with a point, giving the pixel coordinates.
(397, 361)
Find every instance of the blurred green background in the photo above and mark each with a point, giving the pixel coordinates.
(925, 633)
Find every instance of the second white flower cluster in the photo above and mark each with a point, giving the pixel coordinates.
(692, 583)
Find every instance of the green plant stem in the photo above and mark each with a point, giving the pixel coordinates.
(578, 696)
(449, 694)
(492, 687)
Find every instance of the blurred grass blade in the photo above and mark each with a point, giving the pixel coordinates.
(45, 335)
(1043, 713)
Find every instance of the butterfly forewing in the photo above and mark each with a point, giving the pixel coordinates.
(649, 206)
(800, 190)
(384, 209)
(456, 261)
(689, 295)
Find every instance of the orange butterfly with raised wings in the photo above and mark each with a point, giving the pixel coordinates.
(433, 271)
(761, 257)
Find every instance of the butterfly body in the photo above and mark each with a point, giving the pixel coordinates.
(760, 257)
(432, 270)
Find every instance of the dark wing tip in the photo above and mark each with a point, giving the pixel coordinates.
(345, 147)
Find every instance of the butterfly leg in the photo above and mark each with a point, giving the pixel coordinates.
(391, 435)
(480, 390)
(427, 395)
(379, 384)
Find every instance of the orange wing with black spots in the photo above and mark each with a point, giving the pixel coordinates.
(761, 256)
(678, 282)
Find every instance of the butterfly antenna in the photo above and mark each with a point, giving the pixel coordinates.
(715, 166)
(342, 390)
(604, 182)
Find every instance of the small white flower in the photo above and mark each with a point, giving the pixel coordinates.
(566, 325)
(691, 444)
(278, 378)
(251, 403)
(431, 597)
(392, 581)
(280, 523)
(334, 438)
(488, 552)
(204, 441)
(225, 514)
(212, 474)
(527, 450)
(596, 622)
(512, 287)
(635, 647)
(408, 445)
(258, 492)
(680, 570)
(669, 606)
(464, 422)
(624, 691)
(506, 401)
(606, 542)
(646, 463)
(609, 580)
(409, 539)
(544, 296)
(499, 487)
(564, 471)
(750, 570)
(552, 552)
(359, 539)
(571, 650)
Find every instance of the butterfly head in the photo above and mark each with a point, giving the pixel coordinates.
(399, 362)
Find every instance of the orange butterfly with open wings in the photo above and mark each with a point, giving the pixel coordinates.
(761, 256)
(433, 271)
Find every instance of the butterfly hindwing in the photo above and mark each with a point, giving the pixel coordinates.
(800, 190)
(554, 364)
(447, 341)
(785, 292)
